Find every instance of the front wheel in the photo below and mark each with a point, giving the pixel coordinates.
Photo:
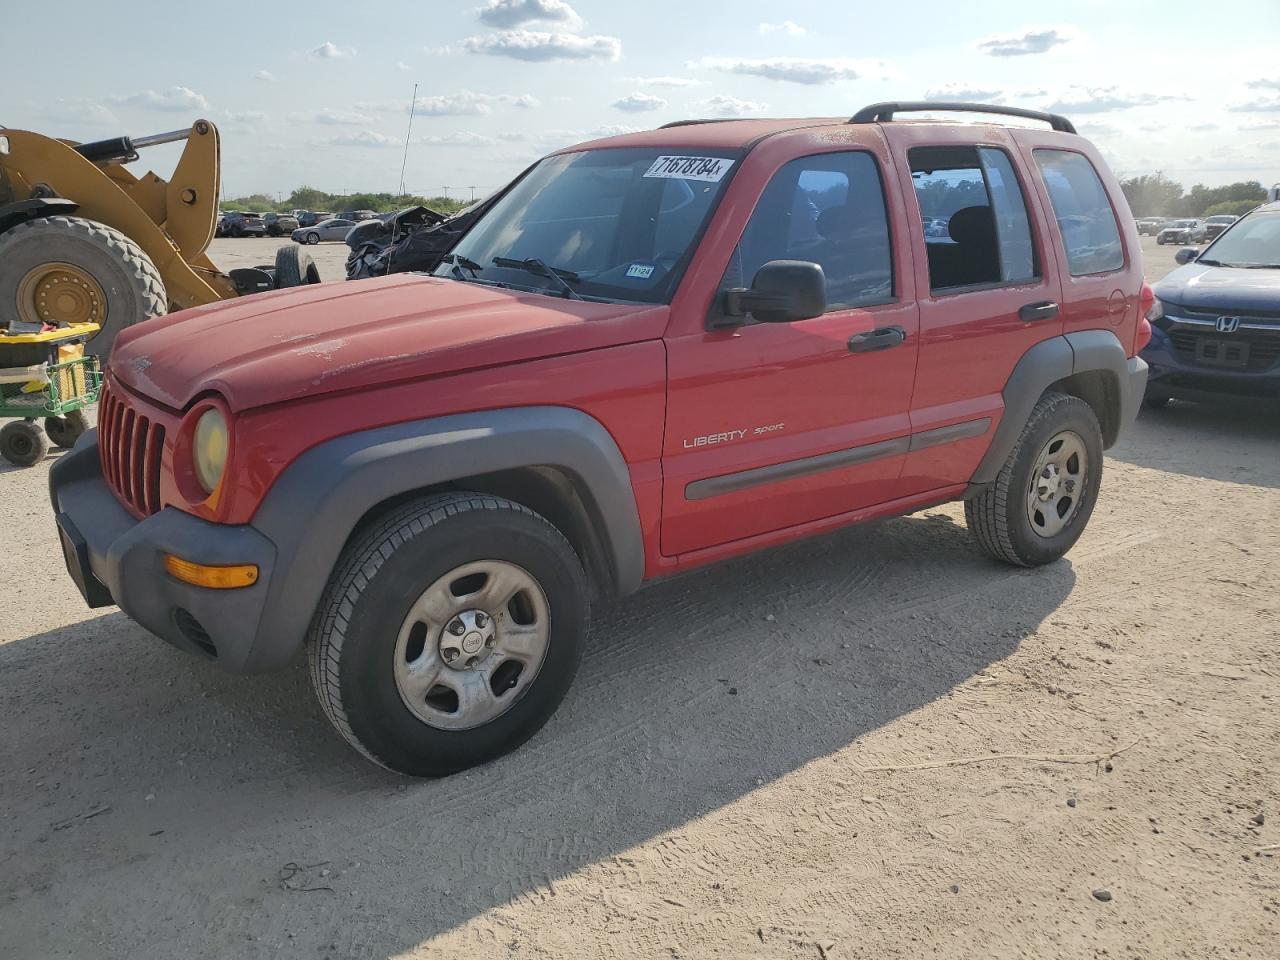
(313, 238)
(23, 443)
(66, 430)
(449, 633)
(1045, 492)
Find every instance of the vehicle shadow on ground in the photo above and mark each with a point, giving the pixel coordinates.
(1245, 447)
(230, 803)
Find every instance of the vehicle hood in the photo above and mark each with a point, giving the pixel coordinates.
(312, 340)
(1200, 287)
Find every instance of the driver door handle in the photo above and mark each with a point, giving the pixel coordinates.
(881, 338)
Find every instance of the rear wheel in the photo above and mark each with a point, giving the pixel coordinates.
(449, 633)
(313, 238)
(64, 270)
(295, 268)
(66, 430)
(1045, 492)
(23, 443)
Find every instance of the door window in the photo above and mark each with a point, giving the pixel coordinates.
(974, 217)
(827, 209)
(1085, 218)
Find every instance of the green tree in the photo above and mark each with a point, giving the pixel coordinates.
(1152, 195)
(1235, 207)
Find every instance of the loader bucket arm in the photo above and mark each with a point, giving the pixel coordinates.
(172, 221)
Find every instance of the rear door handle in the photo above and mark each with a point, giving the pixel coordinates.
(880, 339)
(1040, 310)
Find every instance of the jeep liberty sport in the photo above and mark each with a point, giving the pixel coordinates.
(652, 352)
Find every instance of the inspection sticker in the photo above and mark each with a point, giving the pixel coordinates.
(641, 271)
(710, 169)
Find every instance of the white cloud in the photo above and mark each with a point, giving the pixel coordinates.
(639, 103)
(464, 103)
(331, 51)
(78, 110)
(1259, 123)
(1264, 83)
(1031, 40)
(965, 92)
(461, 139)
(511, 135)
(341, 118)
(789, 27)
(363, 138)
(175, 99)
(245, 119)
(1106, 99)
(723, 106)
(506, 14)
(403, 67)
(791, 69)
(664, 81)
(536, 45)
(1261, 105)
(265, 75)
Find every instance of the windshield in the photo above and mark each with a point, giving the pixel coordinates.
(614, 224)
(1183, 223)
(1251, 242)
(1221, 220)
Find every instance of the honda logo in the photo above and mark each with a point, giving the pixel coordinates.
(1228, 324)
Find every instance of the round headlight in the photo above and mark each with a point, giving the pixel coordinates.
(209, 449)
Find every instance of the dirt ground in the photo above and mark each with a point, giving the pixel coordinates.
(873, 745)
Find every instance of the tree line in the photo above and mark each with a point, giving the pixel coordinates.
(1155, 195)
(309, 198)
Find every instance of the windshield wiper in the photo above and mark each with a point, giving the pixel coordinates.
(458, 260)
(1212, 263)
(540, 269)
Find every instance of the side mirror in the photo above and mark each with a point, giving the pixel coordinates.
(1186, 254)
(782, 291)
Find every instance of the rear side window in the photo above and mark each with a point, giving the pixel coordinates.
(828, 209)
(1083, 211)
(976, 228)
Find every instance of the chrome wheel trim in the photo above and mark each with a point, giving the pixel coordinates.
(1057, 485)
(472, 644)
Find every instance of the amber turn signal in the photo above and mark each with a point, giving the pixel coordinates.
(215, 578)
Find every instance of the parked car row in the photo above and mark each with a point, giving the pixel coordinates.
(237, 223)
(1187, 230)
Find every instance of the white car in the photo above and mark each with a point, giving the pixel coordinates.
(1181, 231)
(334, 229)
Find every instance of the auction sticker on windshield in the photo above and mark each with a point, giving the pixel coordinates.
(710, 169)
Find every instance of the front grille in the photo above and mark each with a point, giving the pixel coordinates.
(129, 446)
(1263, 346)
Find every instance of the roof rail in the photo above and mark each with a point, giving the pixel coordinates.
(690, 123)
(881, 112)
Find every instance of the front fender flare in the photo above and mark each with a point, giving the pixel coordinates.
(318, 500)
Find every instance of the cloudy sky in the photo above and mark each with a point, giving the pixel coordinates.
(319, 93)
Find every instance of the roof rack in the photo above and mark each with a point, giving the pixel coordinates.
(882, 112)
(690, 123)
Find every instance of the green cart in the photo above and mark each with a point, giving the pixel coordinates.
(45, 377)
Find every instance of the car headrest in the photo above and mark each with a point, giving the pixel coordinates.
(972, 225)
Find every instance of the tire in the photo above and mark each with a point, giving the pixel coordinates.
(295, 268)
(130, 285)
(66, 430)
(362, 640)
(313, 238)
(23, 443)
(1003, 518)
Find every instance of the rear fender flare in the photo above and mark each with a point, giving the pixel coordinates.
(1046, 363)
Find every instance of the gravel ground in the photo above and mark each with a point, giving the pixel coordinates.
(876, 744)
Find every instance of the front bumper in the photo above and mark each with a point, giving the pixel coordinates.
(115, 558)
(1174, 375)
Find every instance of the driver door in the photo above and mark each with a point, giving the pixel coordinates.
(771, 426)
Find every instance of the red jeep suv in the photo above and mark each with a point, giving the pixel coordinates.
(651, 352)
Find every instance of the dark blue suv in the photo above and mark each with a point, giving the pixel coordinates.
(1216, 323)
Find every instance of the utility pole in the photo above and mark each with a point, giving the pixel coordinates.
(446, 192)
(473, 193)
(413, 104)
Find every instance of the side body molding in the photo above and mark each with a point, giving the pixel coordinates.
(1044, 365)
(312, 508)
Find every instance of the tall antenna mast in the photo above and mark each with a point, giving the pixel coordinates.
(413, 104)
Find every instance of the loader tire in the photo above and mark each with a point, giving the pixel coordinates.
(69, 269)
(295, 268)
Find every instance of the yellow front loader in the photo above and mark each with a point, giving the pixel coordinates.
(84, 240)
